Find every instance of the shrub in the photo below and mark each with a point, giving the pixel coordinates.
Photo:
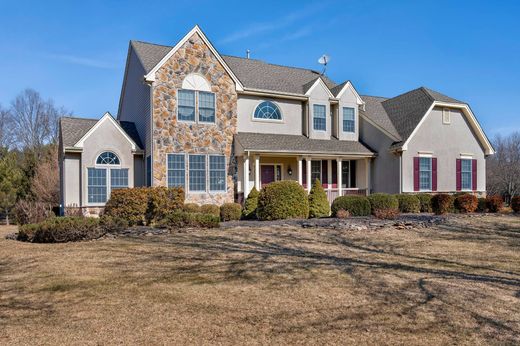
(386, 214)
(191, 208)
(342, 214)
(515, 204)
(112, 223)
(181, 219)
(355, 205)
(61, 229)
(282, 200)
(425, 200)
(482, 205)
(130, 204)
(409, 203)
(318, 202)
(442, 203)
(163, 200)
(379, 201)
(26, 212)
(494, 203)
(466, 203)
(212, 209)
(230, 211)
(251, 205)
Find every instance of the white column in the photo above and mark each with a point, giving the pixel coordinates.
(329, 174)
(300, 172)
(339, 179)
(367, 163)
(309, 183)
(257, 172)
(246, 176)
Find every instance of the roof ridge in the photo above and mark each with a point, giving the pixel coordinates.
(425, 90)
(406, 93)
(380, 97)
(150, 43)
(80, 118)
(270, 63)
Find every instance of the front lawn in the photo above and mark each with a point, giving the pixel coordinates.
(457, 282)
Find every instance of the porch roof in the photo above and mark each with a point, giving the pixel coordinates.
(299, 144)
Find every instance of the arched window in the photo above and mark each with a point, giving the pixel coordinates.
(268, 110)
(107, 158)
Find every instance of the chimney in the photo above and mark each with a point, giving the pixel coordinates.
(248, 52)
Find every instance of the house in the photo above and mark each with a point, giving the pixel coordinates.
(219, 125)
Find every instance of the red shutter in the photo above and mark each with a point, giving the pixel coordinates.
(334, 174)
(416, 174)
(434, 174)
(474, 174)
(459, 175)
(304, 173)
(324, 174)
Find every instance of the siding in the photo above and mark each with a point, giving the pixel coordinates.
(72, 180)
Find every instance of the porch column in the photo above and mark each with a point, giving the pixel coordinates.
(246, 176)
(257, 172)
(329, 174)
(368, 177)
(300, 172)
(339, 179)
(309, 183)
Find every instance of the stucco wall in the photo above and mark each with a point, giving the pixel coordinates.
(384, 167)
(291, 123)
(173, 136)
(348, 99)
(446, 143)
(72, 180)
(97, 143)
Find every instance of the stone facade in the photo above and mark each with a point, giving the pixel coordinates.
(172, 136)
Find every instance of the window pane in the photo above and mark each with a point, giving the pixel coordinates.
(176, 167)
(425, 173)
(267, 110)
(197, 172)
(466, 174)
(206, 107)
(118, 178)
(186, 100)
(97, 185)
(107, 158)
(348, 119)
(345, 174)
(217, 173)
(315, 171)
(319, 119)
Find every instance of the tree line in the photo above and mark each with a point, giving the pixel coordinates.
(29, 172)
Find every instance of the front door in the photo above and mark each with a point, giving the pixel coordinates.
(266, 174)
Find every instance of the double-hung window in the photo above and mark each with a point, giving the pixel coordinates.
(315, 171)
(197, 172)
(186, 107)
(425, 173)
(217, 173)
(176, 170)
(349, 122)
(319, 118)
(97, 185)
(466, 174)
(345, 174)
(118, 178)
(206, 107)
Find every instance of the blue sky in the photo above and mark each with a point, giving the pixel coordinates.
(74, 51)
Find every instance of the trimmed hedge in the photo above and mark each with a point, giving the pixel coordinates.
(383, 201)
(61, 230)
(494, 203)
(181, 219)
(466, 203)
(482, 205)
(355, 205)
(409, 203)
(515, 204)
(283, 200)
(230, 211)
(251, 205)
(143, 205)
(318, 202)
(191, 208)
(425, 200)
(442, 203)
(212, 209)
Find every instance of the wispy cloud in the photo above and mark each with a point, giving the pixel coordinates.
(273, 25)
(290, 36)
(77, 60)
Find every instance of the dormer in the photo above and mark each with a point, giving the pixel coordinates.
(346, 112)
(318, 115)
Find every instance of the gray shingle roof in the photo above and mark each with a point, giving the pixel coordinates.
(335, 90)
(149, 54)
(375, 111)
(299, 144)
(73, 129)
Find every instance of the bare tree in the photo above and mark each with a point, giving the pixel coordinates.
(6, 138)
(503, 168)
(45, 184)
(34, 120)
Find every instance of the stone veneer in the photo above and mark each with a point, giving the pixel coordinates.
(172, 136)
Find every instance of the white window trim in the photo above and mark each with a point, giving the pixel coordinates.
(262, 120)
(108, 187)
(225, 174)
(319, 104)
(343, 119)
(349, 181)
(426, 156)
(207, 190)
(185, 173)
(470, 175)
(196, 121)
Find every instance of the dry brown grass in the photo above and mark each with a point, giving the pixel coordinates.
(456, 283)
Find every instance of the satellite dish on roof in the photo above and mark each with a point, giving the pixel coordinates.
(324, 60)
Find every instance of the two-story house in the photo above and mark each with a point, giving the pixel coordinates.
(220, 125)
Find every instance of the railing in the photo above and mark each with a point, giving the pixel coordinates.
(334, 193)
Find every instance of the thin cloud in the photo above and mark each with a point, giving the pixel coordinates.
(76, 60)
(275, 24)
(288, 37)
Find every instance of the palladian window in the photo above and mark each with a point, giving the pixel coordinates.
(268, 110)
(105, 177)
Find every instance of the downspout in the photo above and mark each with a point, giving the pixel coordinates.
(400, 173)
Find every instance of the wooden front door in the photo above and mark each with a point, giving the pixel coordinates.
(266, 174)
